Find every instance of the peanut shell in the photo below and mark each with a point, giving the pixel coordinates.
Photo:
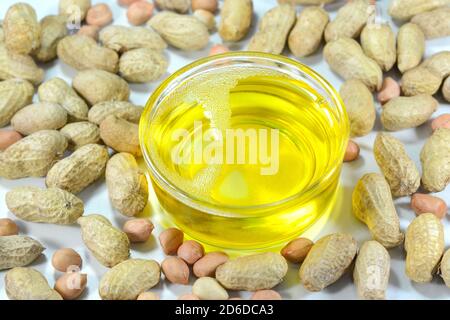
(28, 284)
(32, 156)
(18, 251)
(371, 273)
(372, 204)
(53, 30)
(180, 31)
(346, 57)
(408, 112)
(98, 86)
(435, 157)
(349, 21)
(39, 116)
(235, 19)
(14, 65)
(406, 9)
(252, 272)
(142, 65)
(14, 95)
(327, 261)
(410, 46)
(22, 30)
(80, 134)
(378, 42)
(424, 246)
(360, 107)
(128, 279)
(79, 170)
(307, 34)
(121, 135)
(399, 170)
(51, 205)
(122, 39)
(58, 91)
(127, 184)
(273, 30)
(83, 53)
(121, 109)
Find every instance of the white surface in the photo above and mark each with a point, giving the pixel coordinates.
(96, 198)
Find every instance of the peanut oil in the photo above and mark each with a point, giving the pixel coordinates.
(252, 154)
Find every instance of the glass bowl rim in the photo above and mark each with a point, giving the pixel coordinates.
(151, 106)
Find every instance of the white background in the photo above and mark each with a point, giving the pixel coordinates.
(342, 220)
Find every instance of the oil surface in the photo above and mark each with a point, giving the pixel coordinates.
(267, 188)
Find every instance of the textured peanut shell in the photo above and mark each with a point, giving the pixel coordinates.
(180, 31)
(307, 34)
(28, 284)
(14, 95)
(109, 245)
(372, 269)
(72, 9)
(51, 205)
(39, 116)
(32, 156)
(22, 29)
(360, 107)
(235, 19)
(349, 21)
(207, 288)
(346, 57)
(420, 80)
(53, 30)
(129, 279)
(439, 64)
(445, 268)
(2, 34)
(446, 89)
(121, 109)
(121, 135)
(58, 91)
(97, 86)
(273, 30)
(122, 39)
(372, 204)
(14, 65)
(79, 170)
(406, 9)
(127, 185)
(79, 134)
(252, 272)
(408, 112)
(424, 246)
(399, 170)
(434, 24)
(435, 158)
(306, 2)
(83, 53)
(18, 251)
(142, 65)
(180, 6)
(378, 42)
(327, 261)
(410, 46)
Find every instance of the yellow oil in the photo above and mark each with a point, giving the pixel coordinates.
(232, 204)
